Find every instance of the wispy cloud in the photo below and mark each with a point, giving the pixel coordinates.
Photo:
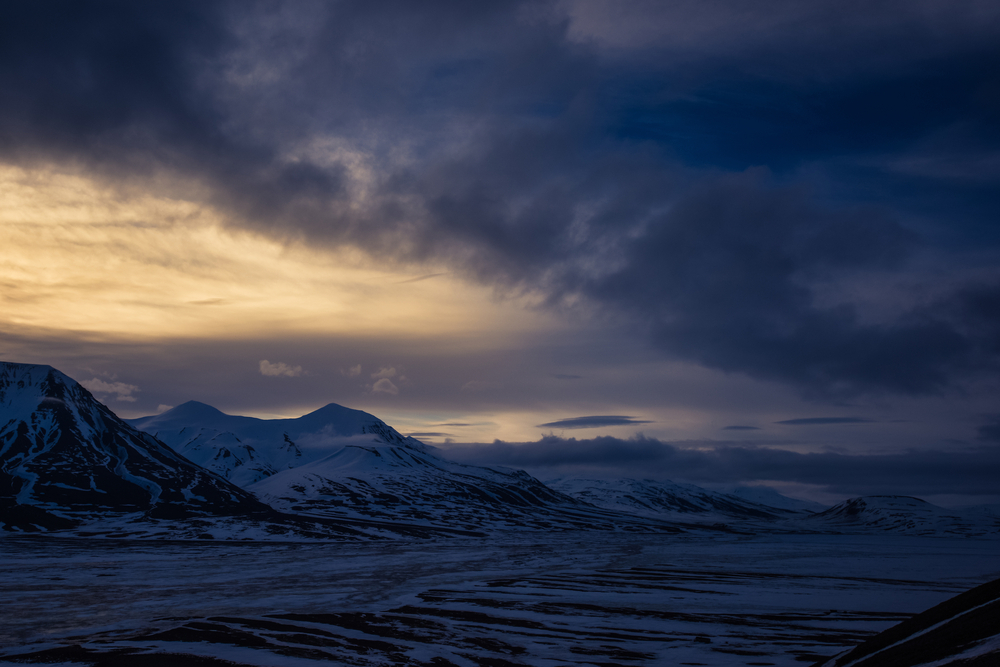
(816, 421)
(419, 278)
(120, 390)
(594, 421)
(279, 369)
(385, 386)
(479, 385)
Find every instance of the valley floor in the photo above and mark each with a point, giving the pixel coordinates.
(561, 599)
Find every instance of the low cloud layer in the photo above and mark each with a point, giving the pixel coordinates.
(819, 421)
(971, 471)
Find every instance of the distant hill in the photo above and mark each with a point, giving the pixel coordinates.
(900, 514)
(768, 496)
(665, 499)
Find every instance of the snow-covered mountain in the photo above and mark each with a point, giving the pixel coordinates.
(898, 514)
(346, 464)
(65, 459)
(669, 500)
(67, 463)
(245, 450)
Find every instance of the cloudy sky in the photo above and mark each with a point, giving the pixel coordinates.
(709, 240)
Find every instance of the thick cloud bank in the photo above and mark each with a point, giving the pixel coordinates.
(801, 193)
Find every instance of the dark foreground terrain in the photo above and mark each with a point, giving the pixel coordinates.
(963, 631)
(629, 600)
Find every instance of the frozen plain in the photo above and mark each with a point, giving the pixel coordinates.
(528, 599)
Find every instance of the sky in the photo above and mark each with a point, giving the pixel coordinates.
(708, 241)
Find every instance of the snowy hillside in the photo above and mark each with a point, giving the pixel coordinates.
(65, 458)
(898, 514)
(377, 480)
(961, 632)
(668, 500)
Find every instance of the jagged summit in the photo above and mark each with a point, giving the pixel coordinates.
(65, 457)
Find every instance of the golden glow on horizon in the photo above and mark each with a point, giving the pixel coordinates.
(78, 256)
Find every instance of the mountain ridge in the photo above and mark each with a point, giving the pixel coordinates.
(67, 460)
(247, 449)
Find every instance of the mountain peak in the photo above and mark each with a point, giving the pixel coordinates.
(194, 408)
(66, 457)
(25, 388)
(334, 410)
(17, 378)
(19, 367)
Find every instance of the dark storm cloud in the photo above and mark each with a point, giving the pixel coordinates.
(990, 430)
(109, 83)
(594, 421)
(723, 279)
(810, 421)
(701, 190)
(969, 472)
